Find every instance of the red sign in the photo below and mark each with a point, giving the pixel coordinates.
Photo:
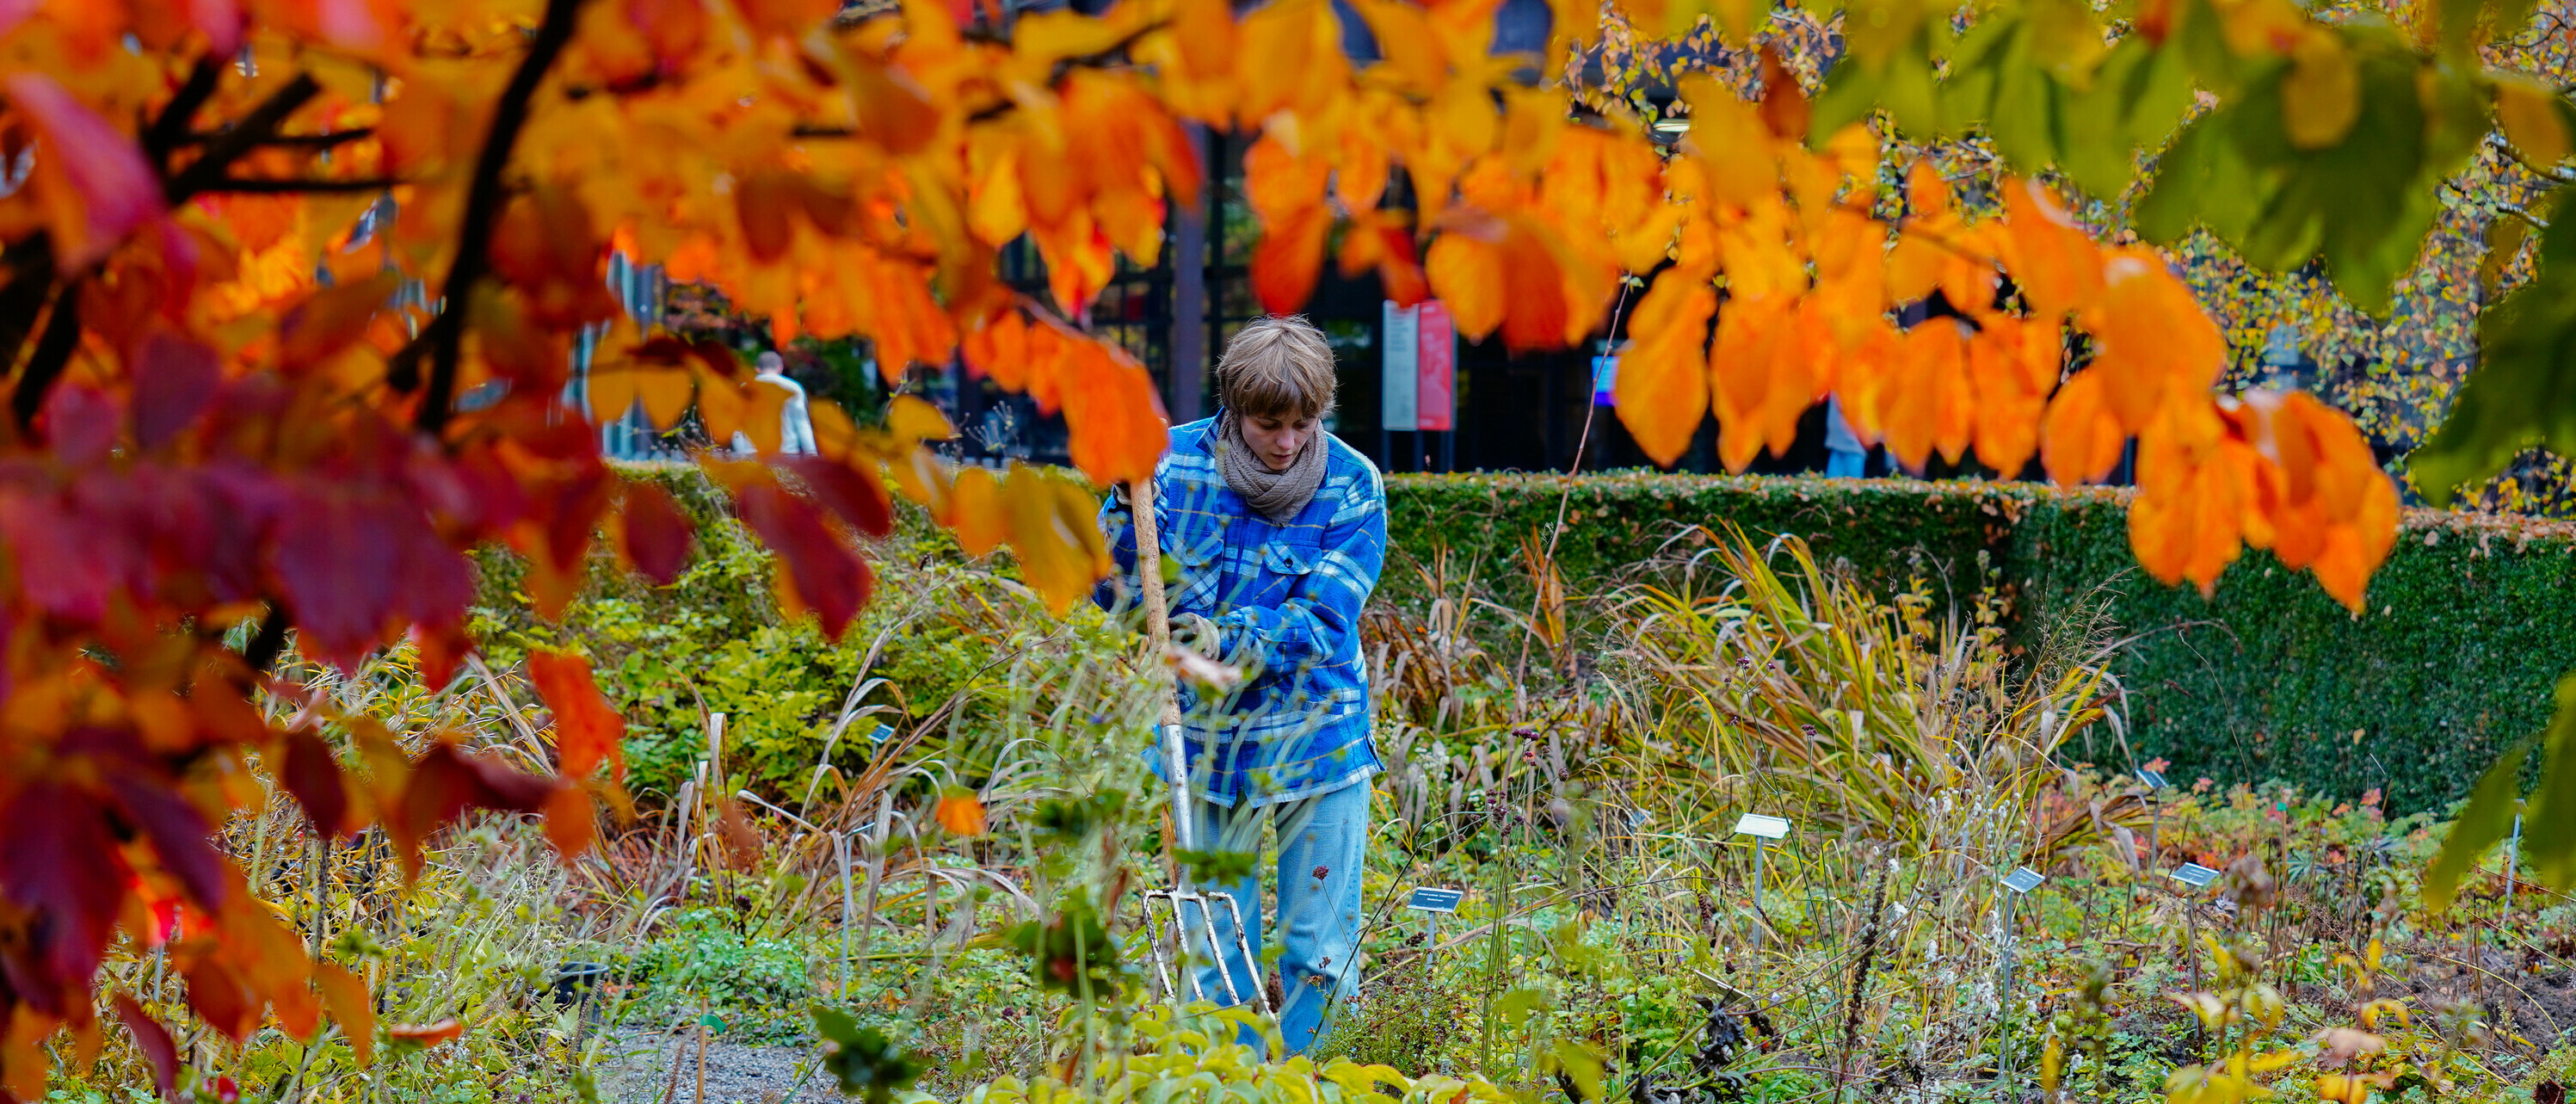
(1437, 368)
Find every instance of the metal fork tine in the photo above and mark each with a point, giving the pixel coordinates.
(1260, 993)
(1154, 945)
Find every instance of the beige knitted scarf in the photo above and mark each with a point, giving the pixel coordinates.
(1277, 496)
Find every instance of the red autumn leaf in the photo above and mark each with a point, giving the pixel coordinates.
(823, 573)
(850, 492)
(218, 996)
(175, 377)
(309, 771)
(92, 180)
(587, 729)
(350, 567)
(79, 421)
(444, 782)
(178, 833)
(655, 534)
(154, 1041)
(58, 861)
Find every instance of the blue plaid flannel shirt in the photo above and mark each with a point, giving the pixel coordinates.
(1286, 602)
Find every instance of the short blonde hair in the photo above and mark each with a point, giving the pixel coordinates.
(1276, 366)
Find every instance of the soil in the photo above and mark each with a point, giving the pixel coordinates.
(636, 1069)
(2533, 998)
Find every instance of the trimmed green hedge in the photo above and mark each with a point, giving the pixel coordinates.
(2472, 620)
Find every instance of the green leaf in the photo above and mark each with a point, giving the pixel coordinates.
(2159, 94)
(2549, 821)
(2200, 180)
(863, 1059)
(1515, 1007)
(2482, 822)
(2023, 118)
(1216, 866)
(1846, 98)
(2093, 135)
(1581, 1065)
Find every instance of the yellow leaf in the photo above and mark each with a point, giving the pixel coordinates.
(978, 517)
(612, 394)
(2533, 118)
(720, 406)
(911, 419)
(763, 415)
(2321, 94)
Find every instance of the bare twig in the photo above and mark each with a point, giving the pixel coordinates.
(445, 335)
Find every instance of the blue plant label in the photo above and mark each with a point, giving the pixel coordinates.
(2155, 780)
(881, 733)
(1427, 899)
(2023, 879)
(2194, 875)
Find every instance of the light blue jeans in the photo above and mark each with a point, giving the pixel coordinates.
(1840, 464)
(1322, 842)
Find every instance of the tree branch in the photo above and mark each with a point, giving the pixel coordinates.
(259, 126)
(268, 643)
(302, 187)
(446, 333)
(170, 128)
(30, 274)
(300, 141)
(53, 353)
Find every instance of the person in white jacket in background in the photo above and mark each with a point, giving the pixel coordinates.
(795, 426)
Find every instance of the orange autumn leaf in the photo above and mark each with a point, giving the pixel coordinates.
(2196, 487)
(2157, 345)
(424, 1036)
(961, 814)
(1927, 405)
(588, 730)
(1115, 417)
(2080, 442)
(1661, 391)
(1290, 257)
(2054, 262)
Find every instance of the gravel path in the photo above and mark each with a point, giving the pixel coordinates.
(636, 1069)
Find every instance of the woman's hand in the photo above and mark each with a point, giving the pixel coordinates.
(1198, 634)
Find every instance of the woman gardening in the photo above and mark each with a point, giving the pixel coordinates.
(1278, 530)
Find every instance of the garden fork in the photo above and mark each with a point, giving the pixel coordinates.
(1180, 900)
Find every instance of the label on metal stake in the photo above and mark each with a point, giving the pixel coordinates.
(1767, 827)
(1428, 899)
